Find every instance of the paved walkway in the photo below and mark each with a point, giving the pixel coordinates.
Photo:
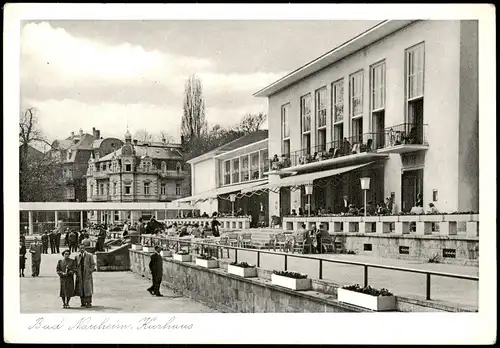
(445, 290)
(115, 292)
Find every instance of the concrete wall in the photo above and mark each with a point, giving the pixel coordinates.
(468, 141)
(227, 293)
(441, 104)
(114, 260)
(421, 248)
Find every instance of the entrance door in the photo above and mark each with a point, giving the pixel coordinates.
(415, 126)
(285, 200)
(412, 184)
(378, 119)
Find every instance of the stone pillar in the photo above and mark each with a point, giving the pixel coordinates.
(472, 229)
(81, 220)
(30, 222)
(56, 217)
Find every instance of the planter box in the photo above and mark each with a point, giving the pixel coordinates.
(166, 253)
(183, 258)
(376, 303)
(207, 263)
(242, 271)
(458, 217)
(291, 283)
(136, 247)
(148, 249)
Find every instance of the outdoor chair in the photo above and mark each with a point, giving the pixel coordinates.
(300, 246)
(327, 243)
(233, 239)
(246, 240)
(280, 242)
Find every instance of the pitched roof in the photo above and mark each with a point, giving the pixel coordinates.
(244, 140)
(155, 152)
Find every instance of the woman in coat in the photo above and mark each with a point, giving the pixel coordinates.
(22, 258)
(66, 268)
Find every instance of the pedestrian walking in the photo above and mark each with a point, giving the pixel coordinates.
(52, 241)
(22, 258)
(66, 268)
(66, 238)
(36, 257)
(45, 242)
(156, 268)
(58, 240)
(73, 241)
(85, 267)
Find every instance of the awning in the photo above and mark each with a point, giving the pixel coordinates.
(221, 191)
(298, 180)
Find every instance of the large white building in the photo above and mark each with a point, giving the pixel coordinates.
(398, 103)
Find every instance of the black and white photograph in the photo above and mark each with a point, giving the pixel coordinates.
(250, 173)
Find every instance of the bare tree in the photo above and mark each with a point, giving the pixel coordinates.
(143, 135)
(252, 122)
(163, 136)
(193, 124)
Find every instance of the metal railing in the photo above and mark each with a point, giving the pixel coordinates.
(402, 134)
(179, 243)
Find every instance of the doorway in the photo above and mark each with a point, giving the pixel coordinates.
(412, 184)
(285, 200)
(378, 122)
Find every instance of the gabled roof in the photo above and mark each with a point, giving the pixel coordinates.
(155, 152)
(349, 47)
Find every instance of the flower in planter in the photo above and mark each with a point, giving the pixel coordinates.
(242, 264)
(205, 257)
(295, 275)
(368, 290)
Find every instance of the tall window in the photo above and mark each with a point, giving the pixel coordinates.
(91, 190)
(177, 189)
(321, 118)
(236, 170)
(117, 216)
(415, 65)
(285, 129)
(163, 189)
(254, 166)
(264, 162)
(415, 72)
(128, 167)
(305, 113)
(338, 112)
(356, 106)
(377, 87)
(114, 188)
(245, 175)
(227, 172)
(101, 189)
(128, 189)
(146, 188)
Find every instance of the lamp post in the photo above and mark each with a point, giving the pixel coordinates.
(178, 209)
(365, 185)
(309, 191)
(232, 198)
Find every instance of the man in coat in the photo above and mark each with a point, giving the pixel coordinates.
(85, 267)
(36, 257)
(52, 240)
(156, 268)
(73, 241)
(58, 239)
(45, 243)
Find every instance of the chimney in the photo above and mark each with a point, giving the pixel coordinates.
(98, 134)
(164, 140)
(135, 142)
(81, 132)
(72, 135)
(93, 131)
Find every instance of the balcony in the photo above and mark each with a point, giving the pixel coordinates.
(355, 149)
(101, 198)
(401, 139)
(101, 174)
(173, 174)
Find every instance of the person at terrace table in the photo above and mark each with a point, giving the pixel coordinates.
(432, 209)
(204, 215)
(215, 227)
(301, 212)
(240, 212)
(352, 210)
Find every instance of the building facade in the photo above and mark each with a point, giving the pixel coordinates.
(73, 154)
(228, 169)
(136, 172)
(398, 104)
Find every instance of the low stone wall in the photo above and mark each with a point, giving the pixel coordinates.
(460, 250)
(228, 293)
(114, 260)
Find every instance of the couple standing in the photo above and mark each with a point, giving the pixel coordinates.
(83, 266)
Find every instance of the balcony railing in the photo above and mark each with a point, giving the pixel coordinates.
(405, 134)
(101, 174)
(172, 174)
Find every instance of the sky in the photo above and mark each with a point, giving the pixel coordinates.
(113, 74)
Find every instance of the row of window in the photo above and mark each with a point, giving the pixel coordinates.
(128, 189)
(145, 166)
(245, 168)
(414, 85)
